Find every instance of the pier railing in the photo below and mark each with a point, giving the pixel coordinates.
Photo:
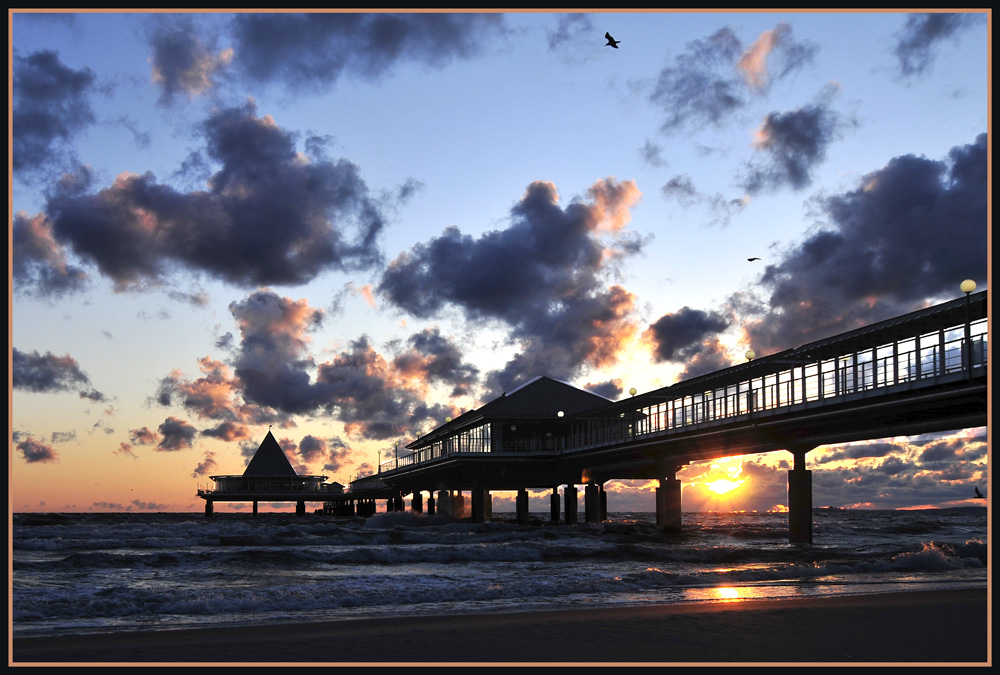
(909, 363)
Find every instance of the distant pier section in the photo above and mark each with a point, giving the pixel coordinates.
(269, 477)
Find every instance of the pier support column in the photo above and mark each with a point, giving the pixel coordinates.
(458, 505)
(255, 507)
(208, 508)
(799, 499)
(487, 505)
(300, 508)
(478, 498)
(604, 504)
(522, 505)
(444, 501)
(554, 505)
(430, 503)
(397, 502)
(571, 507)
(592, 503)
(417, 503)
(668, 504)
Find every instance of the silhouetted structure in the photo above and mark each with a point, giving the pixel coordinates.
(269, 477)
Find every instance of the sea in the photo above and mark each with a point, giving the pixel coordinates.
(76, 573)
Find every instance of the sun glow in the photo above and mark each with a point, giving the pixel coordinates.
(723, 485)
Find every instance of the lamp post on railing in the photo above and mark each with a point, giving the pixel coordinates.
(968, 286)
(750, 354)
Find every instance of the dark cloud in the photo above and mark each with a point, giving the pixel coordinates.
(312, 51)
(368, 396)
(182, 61)
(205, 467)
(175, 434)
(917, 43)
(791, 144)
(47, 373)
(434, 358)
(40, 264)
(716, 77)
(910, 233)
(374, 396)
(610, 389)
(684, 334)
(51, 105)
(558, 304)
(227, 431)
(270, 216)
(35, 451)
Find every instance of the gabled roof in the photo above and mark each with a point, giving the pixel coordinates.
(269, 460)
(539, 398)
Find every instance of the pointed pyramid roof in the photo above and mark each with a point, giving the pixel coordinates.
(269, 460)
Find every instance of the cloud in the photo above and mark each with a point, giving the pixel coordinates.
(51, 105)
(313, 51)
(572, 28)
(721, 209)
(182, 62)
(907, 235)
(375, 396)
(716, 77)
(206, 467)
(917, 43)
(689, 336)
(48, 373)
(682, 334)
(138, 231)
(35, 451)
(175, 434)
(227, 431)
(791, 144)
(559, 304)
(332, 451)
(40, 263)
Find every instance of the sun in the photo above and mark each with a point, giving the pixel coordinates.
(723, 485)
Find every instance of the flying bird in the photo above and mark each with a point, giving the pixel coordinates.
(979, 495)
(752, 259)
(611, 41)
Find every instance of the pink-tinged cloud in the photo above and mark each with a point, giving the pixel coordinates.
(206, 467)
(753, 63)
(176, 434)
(144, 436)
(37, 452)
(126, 450)
(39, 260)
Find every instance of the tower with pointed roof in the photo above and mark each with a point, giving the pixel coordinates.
(268, 477)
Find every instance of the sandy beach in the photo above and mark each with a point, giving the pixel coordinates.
(913, 627)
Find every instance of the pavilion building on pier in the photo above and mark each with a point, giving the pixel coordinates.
(269, 477)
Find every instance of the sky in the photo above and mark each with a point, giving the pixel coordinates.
(346, 228)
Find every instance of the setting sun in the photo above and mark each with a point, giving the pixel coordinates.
(723, 485)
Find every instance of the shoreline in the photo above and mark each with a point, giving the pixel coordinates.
(950, 626)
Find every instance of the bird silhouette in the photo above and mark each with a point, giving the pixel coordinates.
(752, 259)
(611, 41)
(979, 495)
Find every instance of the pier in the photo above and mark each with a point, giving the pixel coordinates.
(921, 372)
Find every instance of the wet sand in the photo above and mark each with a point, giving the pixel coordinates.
(913, 627)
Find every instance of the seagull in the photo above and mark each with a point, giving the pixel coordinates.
(611, 41)
(752, 259)
(979, 495)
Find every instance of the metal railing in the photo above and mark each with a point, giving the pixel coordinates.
(908, 363)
